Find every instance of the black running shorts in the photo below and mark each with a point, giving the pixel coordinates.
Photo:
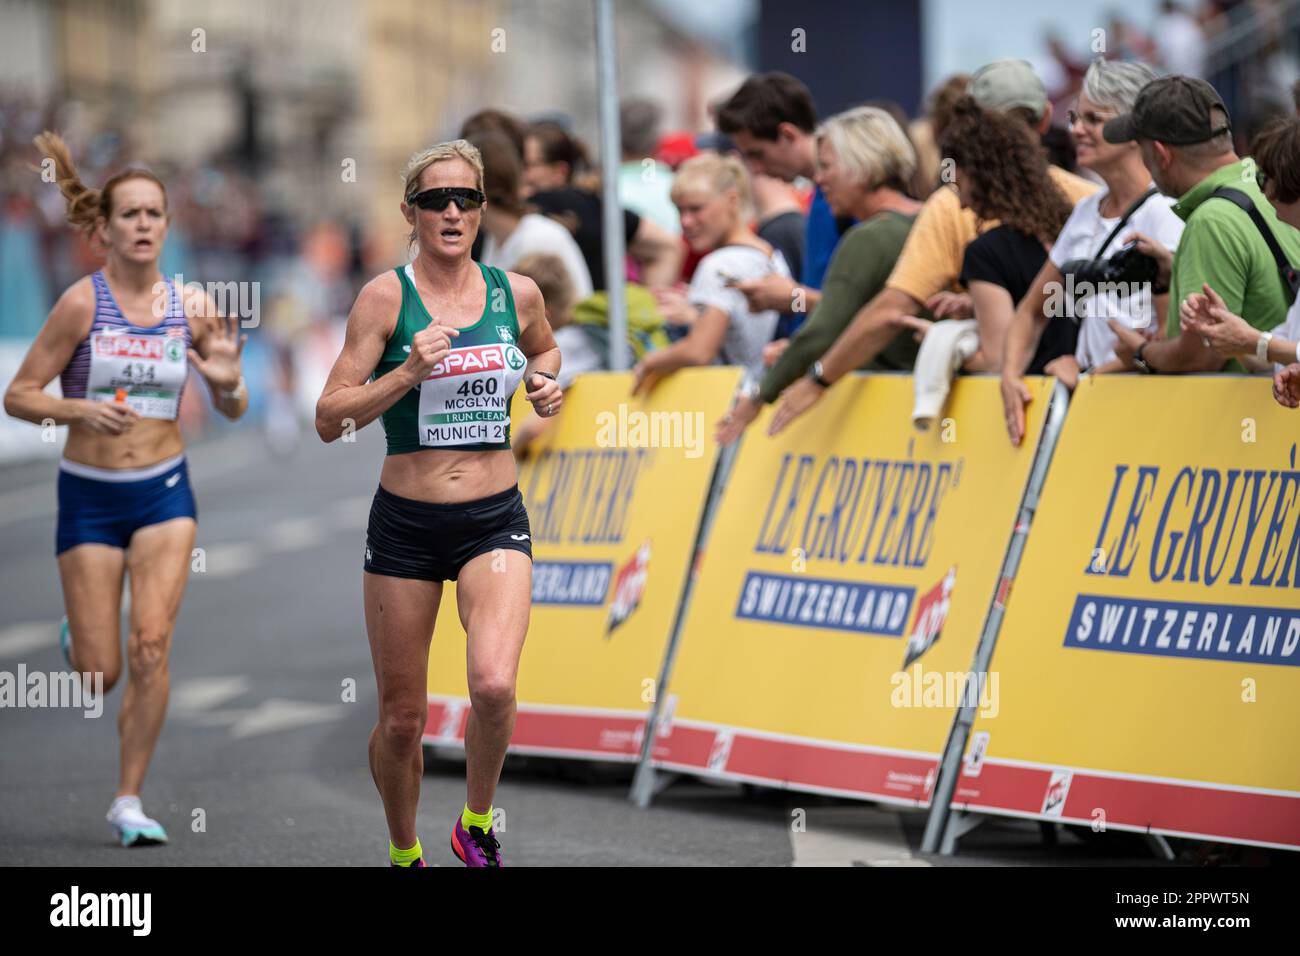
(432, 542)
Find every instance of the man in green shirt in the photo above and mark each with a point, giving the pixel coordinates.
(1183, 130)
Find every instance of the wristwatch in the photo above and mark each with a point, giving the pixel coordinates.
(750, 390)
(236, 393)
(1141, 363)
(1261, 347)
(549, 375)
(815, 373)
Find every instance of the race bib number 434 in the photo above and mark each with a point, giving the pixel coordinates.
(146, 371)
(466, 397)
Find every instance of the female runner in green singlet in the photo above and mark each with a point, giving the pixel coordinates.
(437, 349)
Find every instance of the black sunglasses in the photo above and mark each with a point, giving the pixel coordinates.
(438, 199)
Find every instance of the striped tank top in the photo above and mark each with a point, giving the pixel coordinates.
(144, 366)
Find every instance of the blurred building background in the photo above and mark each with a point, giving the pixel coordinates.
(281, 126)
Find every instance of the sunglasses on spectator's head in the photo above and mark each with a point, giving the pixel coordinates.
(438, 199)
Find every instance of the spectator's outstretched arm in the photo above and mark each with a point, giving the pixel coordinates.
(995, 311)
(1032, 315)
(700, 347)
(1022, 337)
(1184, 352)
(874, 326)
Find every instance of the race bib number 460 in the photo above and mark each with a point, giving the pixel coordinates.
(466, 396)
(146, 371)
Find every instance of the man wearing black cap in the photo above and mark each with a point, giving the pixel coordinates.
(1184, 133)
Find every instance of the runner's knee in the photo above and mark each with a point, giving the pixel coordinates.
(491, 691)
(147, 650)
(402, 726)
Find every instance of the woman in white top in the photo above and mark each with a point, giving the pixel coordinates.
(511, 230)
(712, 196)
(1109, 89)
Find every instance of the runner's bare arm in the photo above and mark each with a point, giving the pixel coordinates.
(535, 338)
(68, 323)
(348, 398)
(218, 346)
(538, 345)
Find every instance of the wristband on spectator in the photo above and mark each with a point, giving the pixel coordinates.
(815, 373)
(1261, 346)
(1141, 363)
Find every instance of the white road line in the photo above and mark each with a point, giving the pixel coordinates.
(203, 693)
(19, 639)
(227, 560)
(279, 714)
(849, 836)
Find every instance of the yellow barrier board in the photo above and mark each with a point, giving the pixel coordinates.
(1148, 661)
(614, 496)
(843, 590)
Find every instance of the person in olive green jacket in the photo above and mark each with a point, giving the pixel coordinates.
(864, 161)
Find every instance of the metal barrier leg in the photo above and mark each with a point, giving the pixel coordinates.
(1160, 846)
(964, 718)
(960, 823)
(645, 784)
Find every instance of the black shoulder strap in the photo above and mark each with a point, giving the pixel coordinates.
(1238, 198)
(1123, 220)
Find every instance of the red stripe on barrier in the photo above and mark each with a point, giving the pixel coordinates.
(1018, 789)
(690, 746)
(572, 733)
(799, 764)
(1162, 807)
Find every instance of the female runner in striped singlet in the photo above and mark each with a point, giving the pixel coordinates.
(122, 341)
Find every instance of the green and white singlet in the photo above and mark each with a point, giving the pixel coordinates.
(464, 403)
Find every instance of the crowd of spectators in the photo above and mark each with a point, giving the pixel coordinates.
(971, 238)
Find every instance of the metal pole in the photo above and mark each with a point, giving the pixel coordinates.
(611, 153)
(643, 782)
(938, 821)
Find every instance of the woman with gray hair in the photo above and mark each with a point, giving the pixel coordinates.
(1128, 211)
(864, 163)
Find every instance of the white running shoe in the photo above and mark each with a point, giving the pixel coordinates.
(131, 826)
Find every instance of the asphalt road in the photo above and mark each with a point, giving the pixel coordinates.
(261, 761)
